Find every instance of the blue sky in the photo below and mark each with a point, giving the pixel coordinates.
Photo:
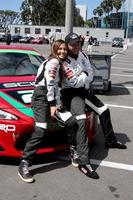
(91, 4)
(15, 5)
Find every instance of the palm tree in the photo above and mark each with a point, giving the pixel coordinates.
(107, 6)
(117, 5)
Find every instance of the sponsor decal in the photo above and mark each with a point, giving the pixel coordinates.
(7, 127)
(26, 95)
(18, 84)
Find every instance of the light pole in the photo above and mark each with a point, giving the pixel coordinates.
(69, 16)
(128, 17)
(31, 11)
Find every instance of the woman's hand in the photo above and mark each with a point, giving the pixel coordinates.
(53, 111)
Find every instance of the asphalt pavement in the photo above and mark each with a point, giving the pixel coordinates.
(57, 179)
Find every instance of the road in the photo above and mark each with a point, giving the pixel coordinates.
(57, 179)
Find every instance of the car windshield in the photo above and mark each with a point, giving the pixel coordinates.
(19, 64)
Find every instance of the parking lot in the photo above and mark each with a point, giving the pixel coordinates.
(57, 179)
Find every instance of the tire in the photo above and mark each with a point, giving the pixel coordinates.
(109, 87)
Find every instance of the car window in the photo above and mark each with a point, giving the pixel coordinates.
(16, 64)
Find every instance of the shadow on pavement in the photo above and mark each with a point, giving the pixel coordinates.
(98, 150)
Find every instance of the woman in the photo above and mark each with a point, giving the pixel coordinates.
(45, 100)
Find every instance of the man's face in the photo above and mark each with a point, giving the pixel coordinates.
(74, 48)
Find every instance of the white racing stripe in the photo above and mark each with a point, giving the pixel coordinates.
(112, 164)
(98, 110)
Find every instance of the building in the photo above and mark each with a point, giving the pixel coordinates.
(82, 11)
(127, 19)
(102, 34)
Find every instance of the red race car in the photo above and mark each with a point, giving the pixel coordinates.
(40, 40)
(18, 68)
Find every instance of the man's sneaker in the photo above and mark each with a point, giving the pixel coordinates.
(88, 171)
(24, 173)
(116, 145)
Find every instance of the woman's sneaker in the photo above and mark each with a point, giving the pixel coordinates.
(74, 161)
(24, 173)
(74, 156)
(88, 171)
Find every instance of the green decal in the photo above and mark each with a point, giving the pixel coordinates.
(17, 105)
(18, 51)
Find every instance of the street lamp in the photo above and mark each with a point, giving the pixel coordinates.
(31, 11)
(69, 16)
(128, 17)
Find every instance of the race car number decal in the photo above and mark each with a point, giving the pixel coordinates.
(7, 127)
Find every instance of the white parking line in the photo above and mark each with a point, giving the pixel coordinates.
(112, 164)
(120, 86)
(126, 75)
(124, 68)
(119, 63)
(119, 106)
(102, 163)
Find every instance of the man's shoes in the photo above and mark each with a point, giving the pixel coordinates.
(115, 145)
(88, 171)
(24, 173)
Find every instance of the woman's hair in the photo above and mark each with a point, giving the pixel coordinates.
(55, 46)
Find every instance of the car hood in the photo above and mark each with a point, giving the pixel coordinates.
(16, 93)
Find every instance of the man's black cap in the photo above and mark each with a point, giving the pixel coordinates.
(72, 38)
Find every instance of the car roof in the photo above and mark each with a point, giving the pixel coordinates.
(17, 47)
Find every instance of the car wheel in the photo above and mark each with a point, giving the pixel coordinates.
(109, 87)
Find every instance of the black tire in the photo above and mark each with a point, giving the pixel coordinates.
(109, 86)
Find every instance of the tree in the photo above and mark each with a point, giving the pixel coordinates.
(89, 22)
(25, 12)
(7, 17)
(117, 5)
(98, 11)
(107, 6)
(47, 12)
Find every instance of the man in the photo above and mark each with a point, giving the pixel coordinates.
(8, 37)
(45, 102)
(78, 100)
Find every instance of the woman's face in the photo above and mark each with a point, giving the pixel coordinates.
(62, 51)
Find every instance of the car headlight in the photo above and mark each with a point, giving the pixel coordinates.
(7, 115)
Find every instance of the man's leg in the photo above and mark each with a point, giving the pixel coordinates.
(82, 145)
(104, 116)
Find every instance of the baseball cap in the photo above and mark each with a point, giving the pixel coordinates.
(72, 38)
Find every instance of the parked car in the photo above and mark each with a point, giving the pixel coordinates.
(18, 68)
(40, 40)
(117, 42)
(26, 39)
(15, 38)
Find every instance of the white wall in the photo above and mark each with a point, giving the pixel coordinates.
(100, 33)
